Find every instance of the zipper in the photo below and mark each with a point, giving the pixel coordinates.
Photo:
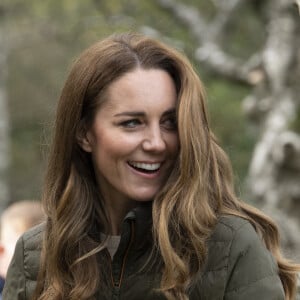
(117, 283)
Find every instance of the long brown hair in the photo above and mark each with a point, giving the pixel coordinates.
(73, 202)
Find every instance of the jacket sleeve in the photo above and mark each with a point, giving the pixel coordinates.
(14, 288)
(252, 270)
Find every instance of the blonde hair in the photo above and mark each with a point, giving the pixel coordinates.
(197, 192)
(23, 215)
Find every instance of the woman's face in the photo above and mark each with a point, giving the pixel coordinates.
(133, 140)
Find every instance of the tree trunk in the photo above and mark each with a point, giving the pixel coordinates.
(4, 126)
(275, 167)
(273, 72)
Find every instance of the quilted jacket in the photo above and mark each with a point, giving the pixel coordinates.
(238, 265)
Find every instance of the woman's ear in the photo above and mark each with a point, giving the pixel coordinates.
(84, 139)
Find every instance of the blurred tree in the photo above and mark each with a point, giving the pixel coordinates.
(51, 34)
(272, 71)
(227, 40)
(4, 121)
(275, 167)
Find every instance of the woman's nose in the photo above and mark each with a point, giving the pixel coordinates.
(154, 140)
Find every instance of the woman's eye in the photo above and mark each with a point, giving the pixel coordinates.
(130, 123)
(170, 123)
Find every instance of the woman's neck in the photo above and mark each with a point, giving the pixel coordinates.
(117, 211)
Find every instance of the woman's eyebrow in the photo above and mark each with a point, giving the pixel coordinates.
(131, 114)
(171, 111)
(142, 113)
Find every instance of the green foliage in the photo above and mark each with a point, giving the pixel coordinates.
(296, 123)
(53, 32)
(229, 124)
(246, 32)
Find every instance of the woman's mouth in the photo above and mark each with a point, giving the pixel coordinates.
(145, 167)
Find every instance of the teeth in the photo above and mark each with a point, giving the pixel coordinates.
(149, 167)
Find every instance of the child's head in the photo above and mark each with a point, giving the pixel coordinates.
(14, 221)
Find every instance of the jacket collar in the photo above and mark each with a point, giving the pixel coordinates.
(141, 216)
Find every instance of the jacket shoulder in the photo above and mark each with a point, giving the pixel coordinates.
(221, 240)
(23, 270)
(227, 227)
(32, 238)
(32, 244)
(239, 266)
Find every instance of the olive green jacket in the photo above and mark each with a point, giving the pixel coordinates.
(238, 265)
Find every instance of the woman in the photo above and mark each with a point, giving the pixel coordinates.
(139, 195)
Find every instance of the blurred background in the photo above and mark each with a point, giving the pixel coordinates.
(245, 51)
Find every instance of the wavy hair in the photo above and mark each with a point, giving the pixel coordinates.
(182, 220)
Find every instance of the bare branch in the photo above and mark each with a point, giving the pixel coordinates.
(189, 16)
(225, 5)
(225, 9)
(207, 34)
(248, 72)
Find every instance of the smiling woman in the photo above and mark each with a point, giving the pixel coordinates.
(133, 141)
(139, 194)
